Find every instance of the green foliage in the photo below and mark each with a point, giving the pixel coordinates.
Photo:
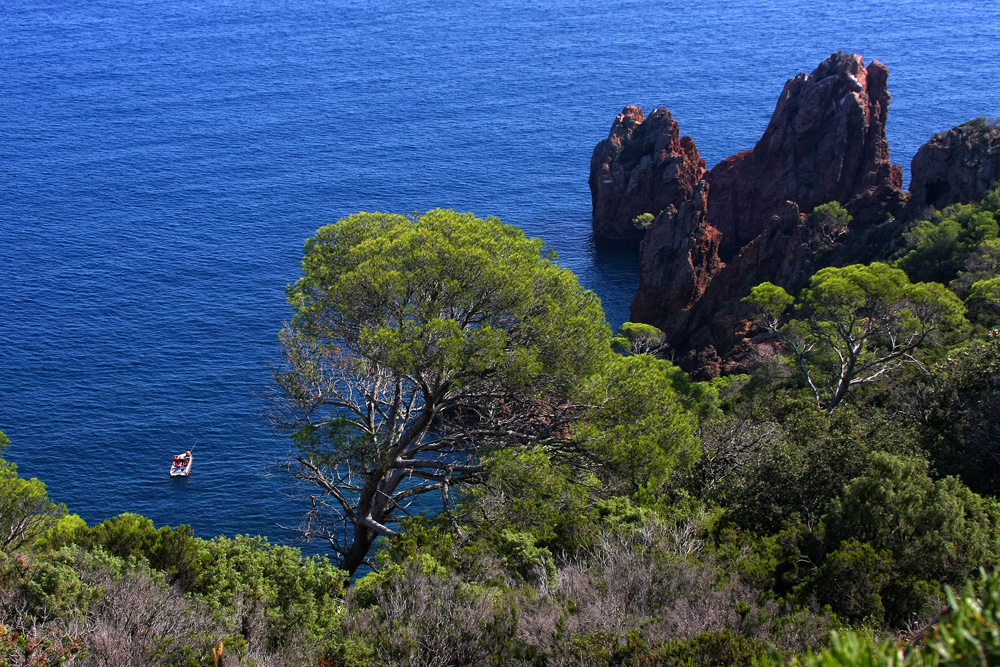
(297, 595)
(708, 649)
(639, 430)
(521, 556)
(984, 302)
(769, 302)
(643, 221)
(408, 616)
(958, 410)
(968, 635)
(62, 533)
(767, 563)
(851, 581)
(721, 648)
(443, 291)
(618, 512)
(638, 338)
(176, 552)
(831, 213)
(780, 460)
(404, 323)
(527, 492)
(982, 264)
(942, 246)
(25, 509)
(51, 585)
(855, 324)
(831, 220)
(422, 536)
(847, 650)
(935, 531)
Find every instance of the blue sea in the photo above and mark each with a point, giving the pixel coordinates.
(162, 163)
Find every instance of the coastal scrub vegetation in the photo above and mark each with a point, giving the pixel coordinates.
(592, 505)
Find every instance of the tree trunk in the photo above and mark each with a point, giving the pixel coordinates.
(355, 558)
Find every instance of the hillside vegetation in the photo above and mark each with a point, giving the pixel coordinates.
(838, 506)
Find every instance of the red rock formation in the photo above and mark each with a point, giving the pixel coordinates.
(957, 166)
(714, 333)
(825, 142)
(720, 328)
(680, 256)
(642, 167)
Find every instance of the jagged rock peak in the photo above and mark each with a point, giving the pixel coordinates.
(958, 166)
(825, 142)
(643, 166)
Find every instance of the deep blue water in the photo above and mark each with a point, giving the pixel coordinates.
(162, 163)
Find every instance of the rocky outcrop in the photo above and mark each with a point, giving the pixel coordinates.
(957, 166)
(643, 166)
(825, 142)
(747, 224)
(680, 256)
(719, 336)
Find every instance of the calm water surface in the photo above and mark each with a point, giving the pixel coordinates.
(162, 163)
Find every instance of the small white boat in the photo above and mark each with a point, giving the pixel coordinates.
(181, 465)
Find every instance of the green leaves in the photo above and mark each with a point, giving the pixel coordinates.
(639, 429)
(418, 344)
(966, 635)
(940, 247)
(25, 509)
(856, 323)
(937, 531)
(984, 302)
(445, 293)
(769, 302)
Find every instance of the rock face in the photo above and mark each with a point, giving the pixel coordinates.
(643, 166)
(680, 256)
(957, 166)
(745, 224)
(718, 336)
(825, 142)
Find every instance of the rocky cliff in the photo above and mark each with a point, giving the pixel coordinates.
(643, 166)
(957, 166)
(825, 142)
(746, 223)
(680, 257)
(718, 233)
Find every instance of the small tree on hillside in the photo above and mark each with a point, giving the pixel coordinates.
(855, 324)
(418, 344)
(25, 509)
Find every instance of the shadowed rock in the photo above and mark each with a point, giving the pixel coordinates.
(957, 166)
(680, 256)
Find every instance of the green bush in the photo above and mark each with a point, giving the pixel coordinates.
(936, 531)
(968, 635)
